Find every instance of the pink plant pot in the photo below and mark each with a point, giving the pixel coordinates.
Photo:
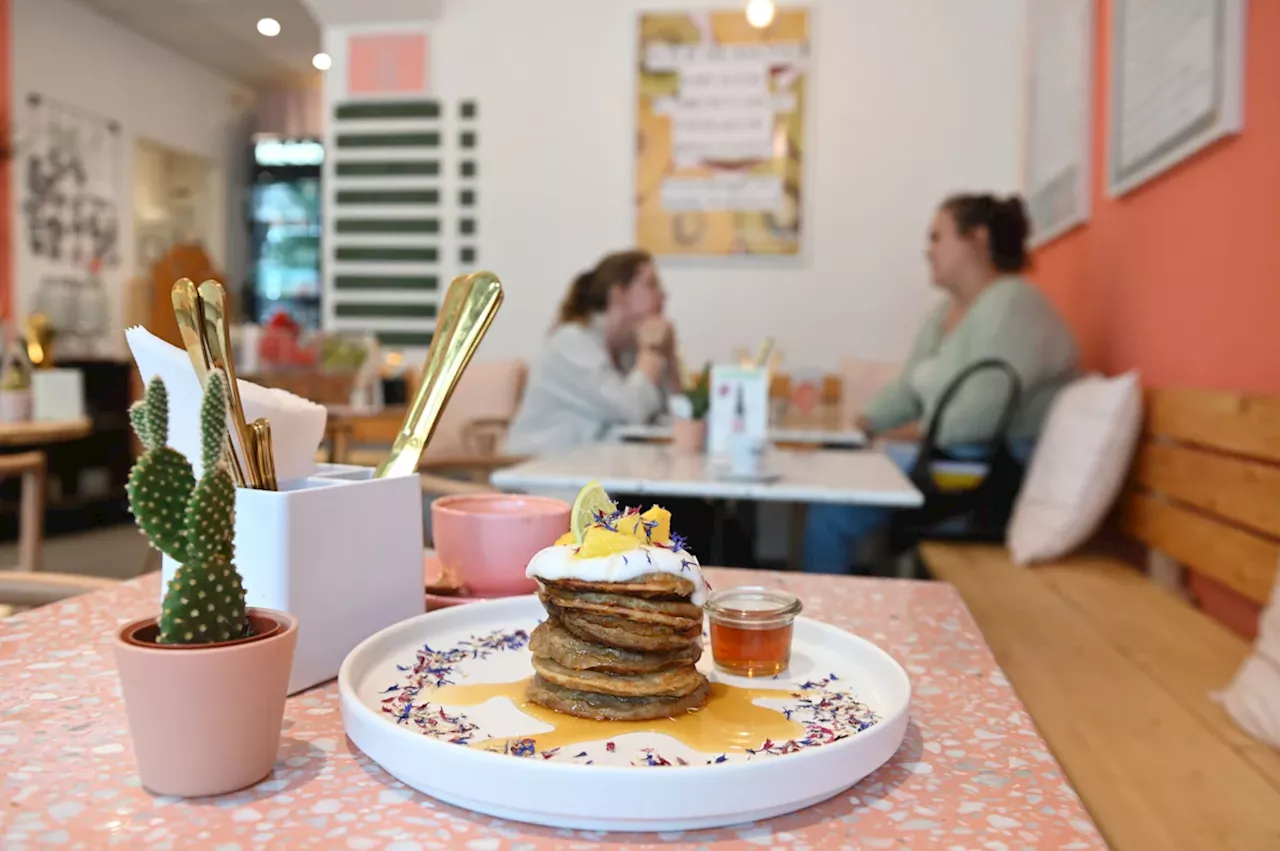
(689, 436)
(488, 539)
(206, 719)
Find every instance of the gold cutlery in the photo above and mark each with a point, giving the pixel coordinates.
(469, 307)
(217, 332)
(186, 309)
(264, 453)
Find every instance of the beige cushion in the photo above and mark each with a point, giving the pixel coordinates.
(862, 380)
(486, 390)
(1079, 467)
(1253, 698)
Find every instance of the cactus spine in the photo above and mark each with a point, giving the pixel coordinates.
(192, 522)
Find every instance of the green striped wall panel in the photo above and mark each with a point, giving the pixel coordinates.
(387, 109)
(386, 254)
(388, 140)
(387, 226)
(416, 283)
(380, 310)
(421, 219)
(387, 196)
(393, 339)
(402, 168)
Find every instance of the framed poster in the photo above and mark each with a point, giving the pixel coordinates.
(1059, 91)
(720, 133)
(1176, 86)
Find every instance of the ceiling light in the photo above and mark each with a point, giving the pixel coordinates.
(269, 27)
(760, 13)
(322, 61)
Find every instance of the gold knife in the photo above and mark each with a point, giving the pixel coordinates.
(186, 309)
(212, 306)
(469, 307)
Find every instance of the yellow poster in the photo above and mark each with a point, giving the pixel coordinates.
(721, 133)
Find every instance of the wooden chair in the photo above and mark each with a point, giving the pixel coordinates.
(25, 586)
(1117, 672)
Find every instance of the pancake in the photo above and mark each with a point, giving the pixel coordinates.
(607, 707)
(673, 682)
(642, 606)
(678, 616)
(625, 633)
(660, 585)
(551, 640)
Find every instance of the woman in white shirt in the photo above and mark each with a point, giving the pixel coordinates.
(609, 361)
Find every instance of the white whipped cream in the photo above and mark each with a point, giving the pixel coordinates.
(555, 563)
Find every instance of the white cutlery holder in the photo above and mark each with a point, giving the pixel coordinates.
(342, 554)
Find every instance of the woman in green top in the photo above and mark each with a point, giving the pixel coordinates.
(976, 250)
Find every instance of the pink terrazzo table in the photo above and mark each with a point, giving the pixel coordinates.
(973, 772)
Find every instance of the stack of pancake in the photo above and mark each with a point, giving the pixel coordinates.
(619, 651)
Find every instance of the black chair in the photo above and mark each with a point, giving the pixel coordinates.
(979, 513)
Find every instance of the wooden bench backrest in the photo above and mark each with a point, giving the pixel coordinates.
(1205, 487)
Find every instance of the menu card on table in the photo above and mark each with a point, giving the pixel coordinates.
(739, 407)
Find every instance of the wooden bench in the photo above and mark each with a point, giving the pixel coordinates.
(1118, 671)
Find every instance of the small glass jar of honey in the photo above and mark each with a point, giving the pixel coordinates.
(751, 630)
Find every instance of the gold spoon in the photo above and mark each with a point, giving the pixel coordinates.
(469, 307)
(264, 453)
(186, 308)
(212, 307)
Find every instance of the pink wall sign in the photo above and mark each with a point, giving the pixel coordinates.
(387, 64)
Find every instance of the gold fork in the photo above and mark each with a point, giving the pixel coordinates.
(186, 309)
(264, 453)
(213, 314)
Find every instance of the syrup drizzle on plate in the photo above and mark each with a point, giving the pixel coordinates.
(730, 720)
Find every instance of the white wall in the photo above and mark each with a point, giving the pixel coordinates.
(911, 100)
(64, 51)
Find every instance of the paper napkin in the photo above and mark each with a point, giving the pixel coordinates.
(297, 424)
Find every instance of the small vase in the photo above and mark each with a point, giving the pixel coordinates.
(205, 719)
(689, 437)
(15, 406)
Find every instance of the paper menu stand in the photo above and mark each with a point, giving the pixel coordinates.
(340, 551)
(739, 406)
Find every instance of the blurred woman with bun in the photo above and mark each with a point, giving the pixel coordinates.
(610, 360)
(977, 253)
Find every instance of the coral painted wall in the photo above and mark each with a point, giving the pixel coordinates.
(6, 228)
(1180, 278)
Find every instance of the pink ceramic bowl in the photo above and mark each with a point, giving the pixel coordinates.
(489, 538)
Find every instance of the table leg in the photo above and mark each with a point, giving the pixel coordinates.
(338, 445)
(795, 552)
(717, 532)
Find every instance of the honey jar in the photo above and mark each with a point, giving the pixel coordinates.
(751, 630)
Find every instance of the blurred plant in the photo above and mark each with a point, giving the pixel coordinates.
(699, 393)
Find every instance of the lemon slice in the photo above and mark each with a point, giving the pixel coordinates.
(591, 502)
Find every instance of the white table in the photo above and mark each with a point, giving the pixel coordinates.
(853, 478)
(842, 439)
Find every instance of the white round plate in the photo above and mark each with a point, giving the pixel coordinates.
(852, 697)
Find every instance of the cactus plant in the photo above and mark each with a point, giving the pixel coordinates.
(192, 522)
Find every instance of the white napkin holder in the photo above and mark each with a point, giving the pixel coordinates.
(341, 553)
(57, 394)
